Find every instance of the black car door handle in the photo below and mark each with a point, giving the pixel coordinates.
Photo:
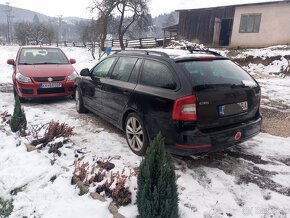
(126, 92)
(99, 85)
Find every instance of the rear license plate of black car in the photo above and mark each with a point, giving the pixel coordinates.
(232, 109)
(50, 85)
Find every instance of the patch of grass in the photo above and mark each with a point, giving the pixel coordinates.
(53, 178)
(17, 190)
(6, 208)
(287, 48)
(232, 53)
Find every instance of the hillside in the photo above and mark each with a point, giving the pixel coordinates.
(20, 15)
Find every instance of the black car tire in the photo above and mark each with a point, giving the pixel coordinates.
(17, 96)
(79, 102)
(136, 134)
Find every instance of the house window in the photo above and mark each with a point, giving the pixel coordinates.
(250, 23)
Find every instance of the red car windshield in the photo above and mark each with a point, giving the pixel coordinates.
(31, 56)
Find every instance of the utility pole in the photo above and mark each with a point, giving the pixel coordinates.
(59, 38)
(8, 16)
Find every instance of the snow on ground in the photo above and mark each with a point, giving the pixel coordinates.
(281, 50)
(249, 180)
(276, 90)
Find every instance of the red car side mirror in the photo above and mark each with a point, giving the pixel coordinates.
(72, 61)
(11, 62)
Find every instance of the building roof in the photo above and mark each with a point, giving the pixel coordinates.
(173, 28)
(236, 5)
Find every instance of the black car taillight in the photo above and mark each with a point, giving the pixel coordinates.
(185, 109)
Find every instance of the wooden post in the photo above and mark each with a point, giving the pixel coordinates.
(163, 38)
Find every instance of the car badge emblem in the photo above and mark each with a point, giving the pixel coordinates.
(49, 79)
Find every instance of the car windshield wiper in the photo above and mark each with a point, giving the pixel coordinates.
(45, 63)
(26, 63)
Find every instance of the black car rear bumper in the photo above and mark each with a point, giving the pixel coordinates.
(193, 142)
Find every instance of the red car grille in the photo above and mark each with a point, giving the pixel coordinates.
(45, 79)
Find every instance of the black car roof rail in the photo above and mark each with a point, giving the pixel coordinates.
(146, 52)
(192, 50)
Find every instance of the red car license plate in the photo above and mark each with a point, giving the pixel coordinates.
(50, 85)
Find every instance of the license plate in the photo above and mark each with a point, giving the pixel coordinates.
(50, 85)
(232, 109)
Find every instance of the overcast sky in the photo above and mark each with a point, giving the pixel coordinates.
(79, 8)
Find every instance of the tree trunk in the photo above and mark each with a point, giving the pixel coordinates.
(121, 36)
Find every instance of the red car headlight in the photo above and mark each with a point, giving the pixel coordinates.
(23, 79)
(73, 76)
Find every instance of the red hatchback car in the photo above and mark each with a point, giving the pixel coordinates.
(40, 71)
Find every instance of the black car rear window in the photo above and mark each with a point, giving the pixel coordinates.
(216, 72)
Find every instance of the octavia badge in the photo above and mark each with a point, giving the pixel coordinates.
(49, 79)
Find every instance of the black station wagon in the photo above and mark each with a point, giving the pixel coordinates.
(200, 101)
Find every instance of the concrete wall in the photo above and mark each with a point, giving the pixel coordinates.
(274, 26)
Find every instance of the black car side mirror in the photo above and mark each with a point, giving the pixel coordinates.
(85, 72)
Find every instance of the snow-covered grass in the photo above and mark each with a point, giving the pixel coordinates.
(249, 180)
(281, 50)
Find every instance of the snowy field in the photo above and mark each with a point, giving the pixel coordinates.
(249, 180)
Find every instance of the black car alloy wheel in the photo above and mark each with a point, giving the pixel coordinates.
(79, 102)
(136, 134)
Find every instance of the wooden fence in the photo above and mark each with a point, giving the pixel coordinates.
(149, 42)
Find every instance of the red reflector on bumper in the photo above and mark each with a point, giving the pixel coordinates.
(238, 136)
(193, 146)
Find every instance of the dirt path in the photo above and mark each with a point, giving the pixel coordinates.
(276, 122)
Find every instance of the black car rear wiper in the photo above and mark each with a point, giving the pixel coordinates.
(208, 86)
(211, 86)
(203, 86)
(238, 86)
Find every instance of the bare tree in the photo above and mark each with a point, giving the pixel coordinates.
(50, 33)
(38, 33)
(127, 12)
(23, 31)
(138, 9)
(141, 28)
(104, 10)
(93, 32)
(26, 32)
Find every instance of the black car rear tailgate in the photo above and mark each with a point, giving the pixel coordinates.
(225, 105)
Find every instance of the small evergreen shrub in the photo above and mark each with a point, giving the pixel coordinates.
(157, 190)
(6, 208)
(18, 119)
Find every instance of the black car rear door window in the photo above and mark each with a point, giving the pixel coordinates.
(102, 69)
(123, 68)
(157, 74)
(134, 75)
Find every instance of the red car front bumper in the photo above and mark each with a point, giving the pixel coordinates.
(46, 89)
